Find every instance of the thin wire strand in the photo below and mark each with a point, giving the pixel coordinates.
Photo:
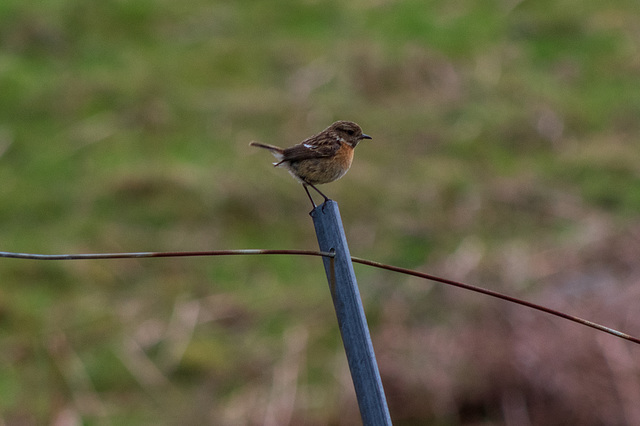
(161, 254)
(499, 296)
(331, 256)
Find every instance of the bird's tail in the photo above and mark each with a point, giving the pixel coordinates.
(271, 148)
(276, 151)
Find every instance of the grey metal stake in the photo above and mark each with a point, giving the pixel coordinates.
(350, 313)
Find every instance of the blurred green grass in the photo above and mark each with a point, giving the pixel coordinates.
(124, 126)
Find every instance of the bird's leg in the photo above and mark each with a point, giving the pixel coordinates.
(319, 192)
(304, 185)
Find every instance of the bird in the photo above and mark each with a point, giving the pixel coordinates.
(321, 158)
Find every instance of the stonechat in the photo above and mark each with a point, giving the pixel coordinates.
(322, 158)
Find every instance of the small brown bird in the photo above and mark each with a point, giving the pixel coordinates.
(322, 158)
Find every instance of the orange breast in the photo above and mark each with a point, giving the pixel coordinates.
(323, 170)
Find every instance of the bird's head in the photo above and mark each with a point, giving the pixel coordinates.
(348, 131)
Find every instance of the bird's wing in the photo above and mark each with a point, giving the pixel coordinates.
(319, 146)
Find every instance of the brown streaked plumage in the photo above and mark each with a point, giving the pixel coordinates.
(322, 158)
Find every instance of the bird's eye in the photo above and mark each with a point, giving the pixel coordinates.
(350, 132)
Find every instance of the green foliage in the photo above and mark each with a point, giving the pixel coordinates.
(124, 126)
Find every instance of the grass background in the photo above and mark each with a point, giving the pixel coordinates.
(505, 153)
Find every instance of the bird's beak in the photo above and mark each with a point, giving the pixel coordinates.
(365, 136)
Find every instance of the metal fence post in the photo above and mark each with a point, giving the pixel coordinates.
(350, 313)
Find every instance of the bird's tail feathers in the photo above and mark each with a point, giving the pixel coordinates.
(267, 146)
(275, 150)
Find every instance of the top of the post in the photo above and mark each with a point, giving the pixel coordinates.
(329, 207)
